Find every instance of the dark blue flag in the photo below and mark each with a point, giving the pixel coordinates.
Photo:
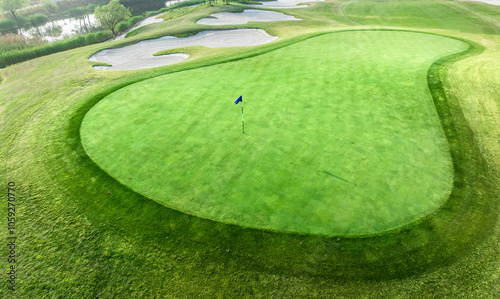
(240, 99)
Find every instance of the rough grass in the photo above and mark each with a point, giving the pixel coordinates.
(426, 14)
(83, 235)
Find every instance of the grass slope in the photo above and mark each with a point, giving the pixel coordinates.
(426, 14)
(83, 235)
(339, 141)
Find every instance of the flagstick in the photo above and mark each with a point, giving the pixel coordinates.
(242, 120)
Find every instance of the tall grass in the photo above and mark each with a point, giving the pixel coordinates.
(8, 26)
(12, 42)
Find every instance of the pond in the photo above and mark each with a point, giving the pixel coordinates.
(61, 29)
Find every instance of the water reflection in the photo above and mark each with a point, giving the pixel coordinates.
(61, 29)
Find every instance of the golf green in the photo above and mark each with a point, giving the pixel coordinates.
(341, 136)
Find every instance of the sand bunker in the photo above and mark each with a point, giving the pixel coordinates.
(285, 3)
(140, 55)
(248, 15)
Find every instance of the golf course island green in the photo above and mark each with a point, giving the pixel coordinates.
(341, 136)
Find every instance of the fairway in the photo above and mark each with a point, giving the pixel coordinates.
(341, 136)
(415, 13)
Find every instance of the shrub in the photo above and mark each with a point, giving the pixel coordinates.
(122, 26)
(15, 56)
(8, 25)
(78, 11)
(102, 35)
(38, 19)
(174, 6)
(22, 21)
(91, 38)
(91, 7)
(186, 3)
(152, 13)
(134, 20)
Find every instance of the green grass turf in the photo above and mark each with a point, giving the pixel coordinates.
(83, 235)
(343, 140)
(430, 14)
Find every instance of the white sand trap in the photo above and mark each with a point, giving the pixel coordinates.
(140, 55)
(248, 15)
(285, 3)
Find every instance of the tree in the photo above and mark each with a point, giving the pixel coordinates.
(12, 6)
(8, 26)
(50, 7)
(38, 19)
(112, 14)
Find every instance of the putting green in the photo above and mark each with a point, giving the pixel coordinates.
(341, 136)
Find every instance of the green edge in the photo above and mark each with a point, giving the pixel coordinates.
(465, 220)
